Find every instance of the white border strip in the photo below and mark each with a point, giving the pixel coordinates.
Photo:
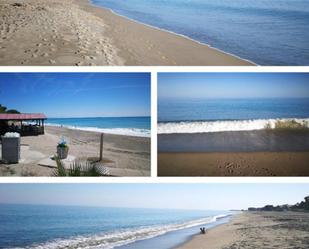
(184, 180)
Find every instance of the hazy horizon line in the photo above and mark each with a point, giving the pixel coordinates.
(90, 206)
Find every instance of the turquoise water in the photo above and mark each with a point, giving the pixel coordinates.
(231, 109)
(266, 32)
(213, 115)
(38, 226)
(136, 126)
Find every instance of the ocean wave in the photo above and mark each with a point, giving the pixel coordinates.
(222, 125)
(117, 131)
(121, 237)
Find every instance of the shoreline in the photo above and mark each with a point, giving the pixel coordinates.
(103, 130)
(256, 230)
(220, 125)
(191, 242)
(91, 35)
(175, 238)
(176, 34)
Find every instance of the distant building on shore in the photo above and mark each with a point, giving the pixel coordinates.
(302, 206)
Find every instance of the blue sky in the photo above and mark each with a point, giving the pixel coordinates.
(77, 94)
(179, 196)
(233, 85)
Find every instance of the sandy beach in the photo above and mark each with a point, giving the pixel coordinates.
(256, 230)
(234, 153)
(130, 155)
(74, 32)
(233, 164)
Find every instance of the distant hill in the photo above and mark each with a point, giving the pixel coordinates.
(302, 206)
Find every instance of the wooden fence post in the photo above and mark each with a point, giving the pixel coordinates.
(101, 147)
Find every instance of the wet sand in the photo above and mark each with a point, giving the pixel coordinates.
(234, 164)
(129, 153)
(255, 230)
(236, 141)
(54, 32)
(234, 153)
(74, 32)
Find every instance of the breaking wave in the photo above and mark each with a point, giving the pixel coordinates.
(121, 237)
(117, 131)
(222, 125)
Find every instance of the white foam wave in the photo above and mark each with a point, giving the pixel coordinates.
(121, 237)
(217, 126)
(117, 131)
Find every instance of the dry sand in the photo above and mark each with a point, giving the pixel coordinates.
(234, 164)
(129, 153)
(53, 32)
(73, 32)
(256, 230)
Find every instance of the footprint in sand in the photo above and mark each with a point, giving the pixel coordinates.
(24, 61)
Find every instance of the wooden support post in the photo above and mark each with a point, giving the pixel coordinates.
(101, 147)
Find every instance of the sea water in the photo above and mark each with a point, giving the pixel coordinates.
(267, 32)
(39, 226)
(130, 126)
(214, 115)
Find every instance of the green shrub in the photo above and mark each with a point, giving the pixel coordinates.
(77, 168)
(288, 125)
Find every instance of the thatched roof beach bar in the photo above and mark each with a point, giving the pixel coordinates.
(27, 124)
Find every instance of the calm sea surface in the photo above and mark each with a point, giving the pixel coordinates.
(267, 32)
(232, 109)
(34, 226)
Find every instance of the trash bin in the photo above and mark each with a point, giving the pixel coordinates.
(11, 147)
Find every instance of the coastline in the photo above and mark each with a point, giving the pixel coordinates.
(208, 126)
(256, 230)
(225, 232)
(130, 155)
(187, 51)
(175, 238)
(118, 40)
(112, 131)
(176, 34)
